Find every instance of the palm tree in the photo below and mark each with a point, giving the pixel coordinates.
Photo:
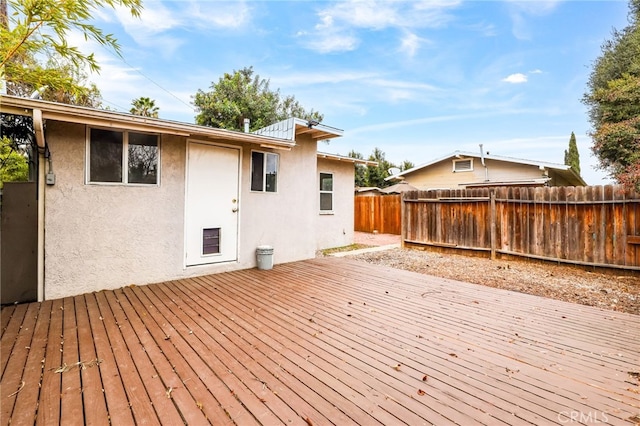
(145, 107)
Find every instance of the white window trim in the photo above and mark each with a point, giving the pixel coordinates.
(264, 173)
(470, 169)
(125, 159)
(332, 192)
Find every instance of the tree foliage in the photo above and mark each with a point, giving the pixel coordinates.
(14, 166)
(17, 160)
(41, 27)
(406, 165)
(244, 94)
(360, 170)
(613, 98)
(571, 155)
(374, 176)
(145, 107)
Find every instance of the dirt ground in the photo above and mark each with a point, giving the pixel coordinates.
(606, 290)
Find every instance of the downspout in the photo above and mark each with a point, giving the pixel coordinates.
(486, 169)
(39, 132)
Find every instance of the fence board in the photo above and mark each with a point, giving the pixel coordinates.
(381, 213)
(580, 225)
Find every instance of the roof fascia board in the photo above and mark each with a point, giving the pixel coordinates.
(335, 157)
(512, 160)
(554, 166)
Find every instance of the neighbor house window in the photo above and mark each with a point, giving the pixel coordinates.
(264, 171)
(463, 165)
(326, 192)
(123, 157)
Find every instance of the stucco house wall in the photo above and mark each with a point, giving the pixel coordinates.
(101, 236)
(336, 228)
(286, 219)
(105, 236)
(94, 236)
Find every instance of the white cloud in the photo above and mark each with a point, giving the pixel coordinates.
(339, 23)
(319, 77)
(536, 71)
(521, 10)
(330, 43)
(224, 15)
(410, 44)
(154, 26)
(516, 78)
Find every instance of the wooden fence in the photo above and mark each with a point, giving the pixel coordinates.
(596, 226)
(378, 213)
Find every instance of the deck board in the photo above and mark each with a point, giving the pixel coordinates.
(324, 342)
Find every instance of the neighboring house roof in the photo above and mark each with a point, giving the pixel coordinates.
(399, 188)
(97, 117)
(365, 189)
(345, 159)
(289, 128)
(561, 169)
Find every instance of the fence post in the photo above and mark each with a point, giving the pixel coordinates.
(403, 219)
(493, 224)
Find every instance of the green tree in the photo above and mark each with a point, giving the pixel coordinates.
(406, 165)
(571, 155)
(613, 99)
(244, 94)
(145, 107)
(376, 174)
(65, 72)
(14, 166)
(41, 27)
(360, 173)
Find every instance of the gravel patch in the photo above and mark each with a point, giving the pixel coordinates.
(603, 290)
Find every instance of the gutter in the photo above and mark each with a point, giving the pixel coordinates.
(38, 127)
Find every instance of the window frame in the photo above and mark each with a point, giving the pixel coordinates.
(463, 160)
(124, 174)
(331, 192)
(265, 157)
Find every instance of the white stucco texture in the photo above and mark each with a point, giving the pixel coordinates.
(105, 236)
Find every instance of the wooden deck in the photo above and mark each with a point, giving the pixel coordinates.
(324, 341)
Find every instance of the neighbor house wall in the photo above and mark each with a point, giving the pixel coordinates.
(441, 175)
(336, 229)
(107, 236)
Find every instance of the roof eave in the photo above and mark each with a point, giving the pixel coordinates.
(96, 117)
(335, 157)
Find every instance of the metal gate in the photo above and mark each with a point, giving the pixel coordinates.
(19, 243)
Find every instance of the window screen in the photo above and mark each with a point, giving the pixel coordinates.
(462, 166)
(326, 192)
(264, 172)
(143, 158)
(123, 157)
(105, 157)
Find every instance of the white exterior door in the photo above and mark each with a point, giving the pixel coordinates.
(212, 203)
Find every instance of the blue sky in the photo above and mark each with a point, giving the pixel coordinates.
(417, 79)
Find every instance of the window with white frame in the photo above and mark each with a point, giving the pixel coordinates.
(116, 156)
(326, 192)
(264, 171)
(463, 165)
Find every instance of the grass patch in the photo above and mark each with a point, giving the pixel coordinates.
(350, 247)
